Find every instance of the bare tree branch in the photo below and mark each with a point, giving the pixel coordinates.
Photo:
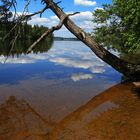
(58, 2)
(36, 13)
(51, 30)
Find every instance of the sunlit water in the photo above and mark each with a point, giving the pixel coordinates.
(49, 87)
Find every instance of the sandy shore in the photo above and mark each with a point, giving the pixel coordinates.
(112, 115)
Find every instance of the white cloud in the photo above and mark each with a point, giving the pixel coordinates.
(87, 15)
(92, 65)
(98, 69)
(69, 62)
(15, 60)
(39, 21)
(78, 57)
(81, 76)
(24, 59)
(85, 2)
(83, 19)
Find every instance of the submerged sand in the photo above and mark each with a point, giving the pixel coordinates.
(112, 115)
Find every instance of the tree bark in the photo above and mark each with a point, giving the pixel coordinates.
(128, 69)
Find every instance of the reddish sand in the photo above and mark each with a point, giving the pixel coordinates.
(112, 115)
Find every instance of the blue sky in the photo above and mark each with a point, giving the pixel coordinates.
(86, 7)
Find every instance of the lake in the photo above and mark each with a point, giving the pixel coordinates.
(57, 95)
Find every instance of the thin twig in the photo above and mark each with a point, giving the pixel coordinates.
(58, 2)
(36, 13)
(12, 47)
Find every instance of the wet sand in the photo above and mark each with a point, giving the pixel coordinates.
(111, 115)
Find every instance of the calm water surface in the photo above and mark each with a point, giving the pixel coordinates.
(52, 95)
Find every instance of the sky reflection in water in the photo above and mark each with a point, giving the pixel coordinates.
(73, 59)
(58, 81)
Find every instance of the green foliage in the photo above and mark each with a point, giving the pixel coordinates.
(21, 47)
(28, 34)
(25, 31)
(119, 25)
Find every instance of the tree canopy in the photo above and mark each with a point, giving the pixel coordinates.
(118, 25)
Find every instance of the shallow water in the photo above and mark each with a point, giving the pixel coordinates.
(51, 95)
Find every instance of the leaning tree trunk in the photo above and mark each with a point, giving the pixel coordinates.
(128, 69)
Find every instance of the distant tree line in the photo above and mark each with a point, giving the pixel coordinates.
(24, 31)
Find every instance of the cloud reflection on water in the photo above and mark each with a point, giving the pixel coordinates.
(76, 55)
(81, 76)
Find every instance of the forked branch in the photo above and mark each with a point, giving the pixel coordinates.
(51, 30)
